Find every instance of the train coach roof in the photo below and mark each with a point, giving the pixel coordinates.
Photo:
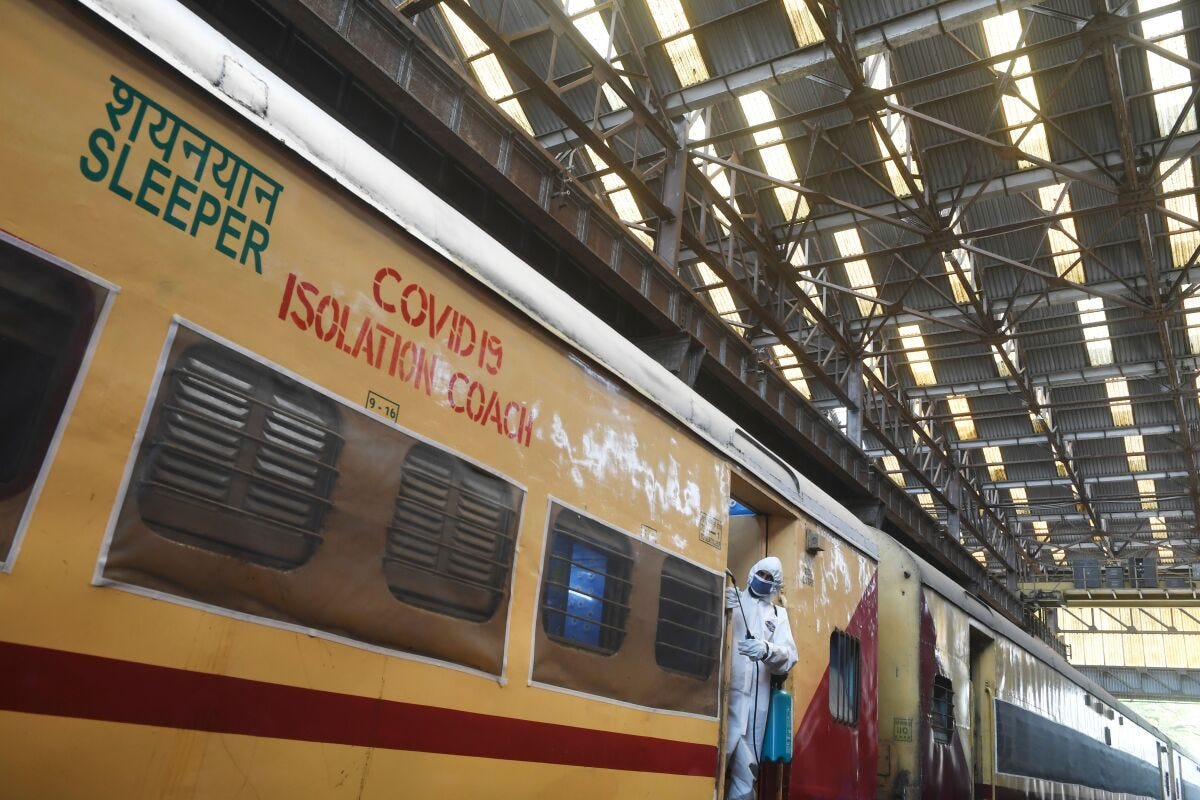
(235, 78)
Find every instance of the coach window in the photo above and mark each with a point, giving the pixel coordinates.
(46, 318)
(689, 619)
(450, 541)
(240, 459)
(844, 667)
(586, 585)
(941, 709)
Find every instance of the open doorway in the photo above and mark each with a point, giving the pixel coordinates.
(983, 712)
(747, 536)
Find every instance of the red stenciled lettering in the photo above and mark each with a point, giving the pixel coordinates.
(493, 347)
(415, 319)
(526, 434)
(343, 324)
(303, 290)
(455, 379)
(460, 336)
(491, 415)
(365, 343)
(475, 407)
(426, 364)
(384, 272)
(435, 327)
(403, 363)
(327, 304)
(511, 430)
(286, 302)
(385, 333)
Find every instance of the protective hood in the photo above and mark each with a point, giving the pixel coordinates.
(772, 565)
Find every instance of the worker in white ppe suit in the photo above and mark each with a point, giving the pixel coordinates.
(772, 651)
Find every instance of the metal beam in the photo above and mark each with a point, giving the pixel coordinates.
(935, 19)
(1146, 683)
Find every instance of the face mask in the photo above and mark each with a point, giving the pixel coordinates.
(761, 588)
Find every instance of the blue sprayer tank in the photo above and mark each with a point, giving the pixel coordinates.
(777, 744)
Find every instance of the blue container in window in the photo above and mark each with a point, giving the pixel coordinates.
(777, 743)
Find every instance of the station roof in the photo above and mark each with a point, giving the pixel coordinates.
(983, 212)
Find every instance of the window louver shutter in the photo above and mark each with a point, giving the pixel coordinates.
(241, 460)
(449, 544)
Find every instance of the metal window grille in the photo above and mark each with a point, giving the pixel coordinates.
(46, 315)
(450, 540)
(241, 461)
(844, 669)
(586, 585)
(689, 619)
(941, 709)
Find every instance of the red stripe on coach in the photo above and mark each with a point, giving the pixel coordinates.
(38, 680)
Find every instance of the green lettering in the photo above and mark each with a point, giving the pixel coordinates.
(114, 183)
(149, 184)
(203, 216)
(98, 172)
(255, 245)
(175, 200)
(227, 229)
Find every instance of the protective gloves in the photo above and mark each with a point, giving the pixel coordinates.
(731, 597)
(753, 649)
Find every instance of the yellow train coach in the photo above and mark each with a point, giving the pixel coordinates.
(309, 488)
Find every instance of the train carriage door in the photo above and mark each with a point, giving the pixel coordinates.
(759, 526)
(983, 712)
(747, 538)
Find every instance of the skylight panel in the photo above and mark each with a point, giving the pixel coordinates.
(1118, 399)
(1146, 490)
(877, 71)
(1002, 34)
(486, 68)
(1168, 105)
(1135, 451)
(719, 294)
(1009, 348)
(1182, 235)
(715, 173)
(1041, 531)
(777, 161)
(1020, 499)
(808, 286)
(1095, 331)
(918, 357)
(891, 465)
(960, 409)
(963, 287)
(790, 367)
(926, 501)
(685, 57)
(619, 195)
(1164, 73)
(1158, 530)
(804, 27)
(995, 463)
(858, 272)
(1063, 240)
(1060, 556)
(596, 32)
(1158, 527)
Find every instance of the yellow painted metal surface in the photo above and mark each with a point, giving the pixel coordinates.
(899, 668)
(591, 445)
